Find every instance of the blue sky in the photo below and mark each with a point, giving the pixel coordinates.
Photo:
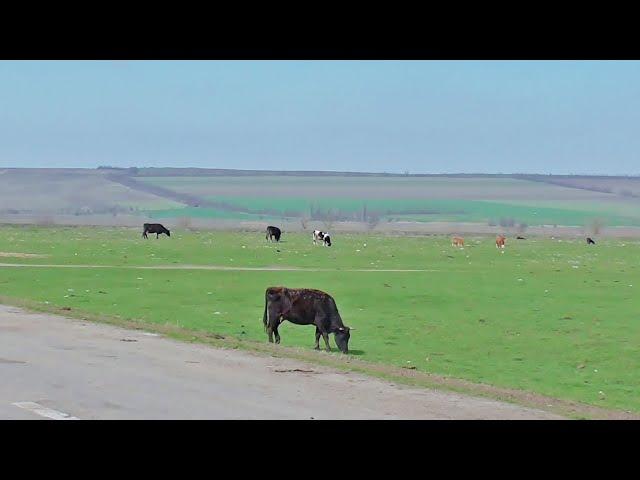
(421, 116)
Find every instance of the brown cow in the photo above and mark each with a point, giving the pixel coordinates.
(500, 241)
(305, 306)
(457, 242)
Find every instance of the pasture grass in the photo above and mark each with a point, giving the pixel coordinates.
(554, 317)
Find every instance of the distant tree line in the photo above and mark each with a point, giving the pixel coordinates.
(508, 222)
(128, 170)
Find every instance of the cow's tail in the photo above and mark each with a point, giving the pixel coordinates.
(264, 317)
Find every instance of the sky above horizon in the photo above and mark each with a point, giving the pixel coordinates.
(560, 117)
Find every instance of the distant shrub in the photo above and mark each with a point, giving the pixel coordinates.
(372, 221)
(184, 223)
(328, 219)
(596, 225)
(45, 220)
(291, 213)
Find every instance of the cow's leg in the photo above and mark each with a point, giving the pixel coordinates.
(270, 333)
(325, 336)
(322, 322)
(317, 345)
(275, 330)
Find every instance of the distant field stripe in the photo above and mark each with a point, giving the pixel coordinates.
(44, 411)
(222, 267)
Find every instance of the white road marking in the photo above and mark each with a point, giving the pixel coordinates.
(44, 411)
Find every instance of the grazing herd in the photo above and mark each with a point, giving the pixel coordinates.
(501, 241)
(306, 306)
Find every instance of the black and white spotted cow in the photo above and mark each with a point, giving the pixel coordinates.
(323, 237)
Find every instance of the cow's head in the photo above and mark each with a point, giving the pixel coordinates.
(327, 240)
(167, 232)
(342, 339)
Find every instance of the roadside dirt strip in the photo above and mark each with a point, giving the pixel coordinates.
(53, 367)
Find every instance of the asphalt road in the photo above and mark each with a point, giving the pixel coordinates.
(59, 368)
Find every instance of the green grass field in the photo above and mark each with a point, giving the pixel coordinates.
(422, 199)
(548, 316)
(443, 210)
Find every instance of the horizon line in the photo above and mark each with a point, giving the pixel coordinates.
(329, 172)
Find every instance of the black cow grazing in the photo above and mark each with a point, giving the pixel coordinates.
(154, 228)
(323, 237)
(304, 306)
(590, 241)
(273, 232)
(520, 238)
